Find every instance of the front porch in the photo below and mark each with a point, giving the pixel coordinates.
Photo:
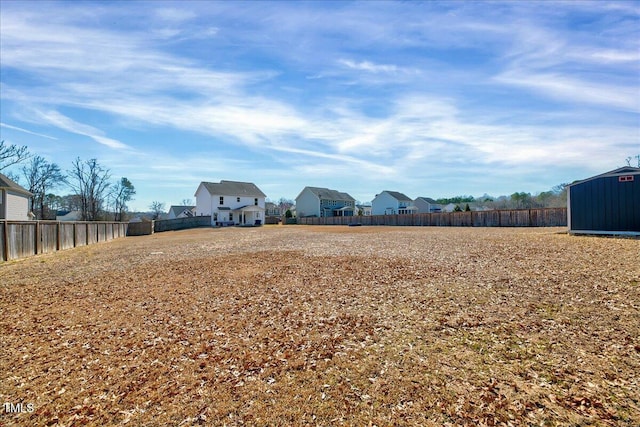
(250, 215)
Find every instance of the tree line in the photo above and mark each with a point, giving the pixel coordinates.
(93, 194)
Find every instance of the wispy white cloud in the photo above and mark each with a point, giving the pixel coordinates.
(369, 66)
(5, 125)
(565, 88)
(60, 121)
(172, 14)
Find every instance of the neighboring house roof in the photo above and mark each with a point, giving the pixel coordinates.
(8, 184)
(326, 193)
(177, 210)
(398, 196)
(428, 200)
(233, 188)
(68, 215)
(620, 171)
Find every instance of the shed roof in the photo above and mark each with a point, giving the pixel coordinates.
(233, 188)
(326, 193)
(8, 184)
(626, 170)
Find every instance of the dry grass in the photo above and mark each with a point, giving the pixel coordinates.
(326, 326)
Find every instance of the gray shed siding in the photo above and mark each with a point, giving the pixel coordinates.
(605, 204)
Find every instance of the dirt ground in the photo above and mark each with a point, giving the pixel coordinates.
(302, 325)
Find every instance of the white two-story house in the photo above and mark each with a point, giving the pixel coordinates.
(323, 202)
(392, 203)
(231, 203)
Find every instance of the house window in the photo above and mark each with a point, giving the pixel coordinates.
(255, 201)
(222, 200)
(238, 199)
(230, 216)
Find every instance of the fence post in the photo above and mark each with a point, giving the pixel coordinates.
(38, 244)
(6, 240)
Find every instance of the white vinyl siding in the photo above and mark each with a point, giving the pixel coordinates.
(17, 206)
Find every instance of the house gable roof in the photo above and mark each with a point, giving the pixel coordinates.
(233, 188)
(626, 170)
(177, 210)
(398, 196)
(8, 184)
(326, 193)
(428, 200)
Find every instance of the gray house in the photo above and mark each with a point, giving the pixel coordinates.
(179, 211)
(324, 202)
(392, 203)
(605, 204)
(271, 209)
(14, 200)
(427, 205)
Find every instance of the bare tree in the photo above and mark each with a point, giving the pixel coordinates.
(122, 193)
(12, 154)
(90, 181)
(285, 204)
(636, 157)
(157, 208)
(41, 176)
(187, 202)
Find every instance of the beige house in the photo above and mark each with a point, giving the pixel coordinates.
(14, 200)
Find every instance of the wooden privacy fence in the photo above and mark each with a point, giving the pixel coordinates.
(181, 223)
(553, 217)
(25, 238)
(144, 228)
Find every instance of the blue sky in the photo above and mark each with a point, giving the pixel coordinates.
(431, 99)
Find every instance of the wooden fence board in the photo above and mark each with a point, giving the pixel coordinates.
(92, 233)
(101, 235)
(21, 240)
(80, 234)
(142, 228)
(109, 232)
(48, 237)
(67, 231)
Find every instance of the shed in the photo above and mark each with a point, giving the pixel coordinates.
(605, 204)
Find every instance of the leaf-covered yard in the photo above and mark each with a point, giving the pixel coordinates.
(302, 325)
